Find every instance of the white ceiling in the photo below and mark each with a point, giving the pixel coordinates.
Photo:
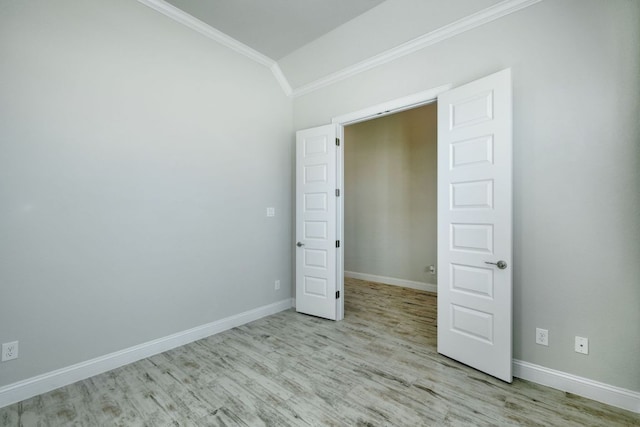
(275, 28)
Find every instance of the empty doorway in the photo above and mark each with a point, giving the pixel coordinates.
(390, 199)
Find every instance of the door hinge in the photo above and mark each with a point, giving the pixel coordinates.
(337, 243)
(337, 294)
(337, 192)
(338, 142)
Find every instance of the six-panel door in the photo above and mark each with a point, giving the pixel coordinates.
(316, 221)
(474, 224)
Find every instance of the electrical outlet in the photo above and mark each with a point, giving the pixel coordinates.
(277, 285)
(542, 336)
(582, 345)
(432, 269)
(9, 351)
(271, 211)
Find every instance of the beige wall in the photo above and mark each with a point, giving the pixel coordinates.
(390, 195)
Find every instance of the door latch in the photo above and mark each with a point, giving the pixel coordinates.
(500, 264)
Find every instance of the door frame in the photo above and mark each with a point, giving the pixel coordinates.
(373, 112)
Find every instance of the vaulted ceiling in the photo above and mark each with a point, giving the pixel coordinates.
(275, 28)
(309, 44)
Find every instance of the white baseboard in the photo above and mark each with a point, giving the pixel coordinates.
(13, 393)
(429, 287)
(605, 393)
(25, 389)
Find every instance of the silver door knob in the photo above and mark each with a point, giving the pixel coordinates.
(299, 244)
(500, 264)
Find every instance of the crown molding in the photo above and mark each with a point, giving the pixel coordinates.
(208, 31)
(460, 26)
(280, 77)
(467, 23)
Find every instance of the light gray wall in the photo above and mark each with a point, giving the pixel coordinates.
(386, 26)
(390, 172)
(136, 162)
(576, 168)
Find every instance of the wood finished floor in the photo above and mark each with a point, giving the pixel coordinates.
(377, 367)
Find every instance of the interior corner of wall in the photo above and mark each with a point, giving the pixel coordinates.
(282, 79)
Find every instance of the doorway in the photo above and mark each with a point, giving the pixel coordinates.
(474, 218)
(390, 199)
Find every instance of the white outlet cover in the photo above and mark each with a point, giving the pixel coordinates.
(271, 211)
(542, 336)
(9, 351)
(582, 345)
(277, 285)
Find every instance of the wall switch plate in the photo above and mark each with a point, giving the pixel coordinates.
(277, 285)
(271, 211)
(582, 345)
(9, 351)
(542, 336)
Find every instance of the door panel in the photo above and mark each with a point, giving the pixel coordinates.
(316, 222)
(474, 224)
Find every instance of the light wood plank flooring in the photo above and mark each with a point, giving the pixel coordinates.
(377, 367)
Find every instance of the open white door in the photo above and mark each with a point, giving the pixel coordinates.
(474, 224)
(316, 222)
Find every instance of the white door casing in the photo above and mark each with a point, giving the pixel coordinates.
(475, 224)
(316, 222)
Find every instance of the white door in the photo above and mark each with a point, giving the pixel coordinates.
(474, 224)
(316, 222)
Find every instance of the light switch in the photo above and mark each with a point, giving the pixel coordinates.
(271, 211)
